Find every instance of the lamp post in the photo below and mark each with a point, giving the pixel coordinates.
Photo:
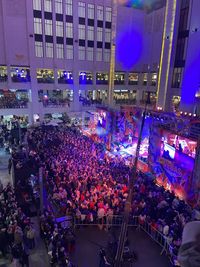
(127, 208)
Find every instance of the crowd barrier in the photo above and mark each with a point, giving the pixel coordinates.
(115, 220)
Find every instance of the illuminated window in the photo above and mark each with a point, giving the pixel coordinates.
(60, 51)
(58, 6)
(55, 98)
(85, 77)
(14, 98)
(48, 5)
(69, 7)
(39, 49)
(101, 78)
(45, 76)
(20, 74)
(37, 26)
(65, 77)
(119, 78)
(37, 5)
(81, 9)
(154, 79)
(69, 52)
(152, 97)
(3, 74)
(133, 78)
(59, 28)
(145, 78)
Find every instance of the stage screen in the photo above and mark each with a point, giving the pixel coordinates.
(182, 144)
(174, 163)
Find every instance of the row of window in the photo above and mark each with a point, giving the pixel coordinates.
(66, 7)
(67, 52)
(22, 74)
(15, 98)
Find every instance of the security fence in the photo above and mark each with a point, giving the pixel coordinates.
(117, 220)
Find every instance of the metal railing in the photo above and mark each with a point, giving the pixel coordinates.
(116, 220)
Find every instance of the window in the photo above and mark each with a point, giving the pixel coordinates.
(101, 78)
(81, 53)
(153, 79)
(107, 55)
(37, 26)
(3, 74)
(69, 7)
(108, 14)
(39, 49)
(59, 28)
(45, 76)
(48, 27)
(145, 78)
(90, 11)
(133, 78)
(99, 54)
(108, 35)
(99, 34)
(81, 9)
(176, 80)
(49, 50)
(119, 78)
(90, 53)
(99, 12)
(81, 32)
(20, 74)
(48, 5)
(69, 30)
(65, 77)
(60, 51)
(85, 77)
(90, 36)
(58, 6)
(69, 52)
(37, 5)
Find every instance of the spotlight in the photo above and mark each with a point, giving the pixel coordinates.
(185, 113)
(194, 115)
(190, 114)
(181, 112)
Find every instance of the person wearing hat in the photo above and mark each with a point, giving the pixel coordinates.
(189, 252)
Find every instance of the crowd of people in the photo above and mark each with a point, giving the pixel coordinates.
(84, 183)
(17, 234)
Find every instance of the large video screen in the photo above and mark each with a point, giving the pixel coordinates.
(182, 144)
(173, 162)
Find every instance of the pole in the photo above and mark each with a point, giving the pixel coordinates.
(127, 209)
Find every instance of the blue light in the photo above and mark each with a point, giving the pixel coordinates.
(129, 46)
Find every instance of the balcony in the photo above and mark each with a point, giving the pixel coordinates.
(53, 103)
(3, 78)
(125, 101)
(11, 103)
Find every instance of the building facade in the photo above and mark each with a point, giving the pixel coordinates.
(55, 55)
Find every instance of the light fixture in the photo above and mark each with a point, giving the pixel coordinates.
(194, 115)
(190, 114)
(185, 113)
